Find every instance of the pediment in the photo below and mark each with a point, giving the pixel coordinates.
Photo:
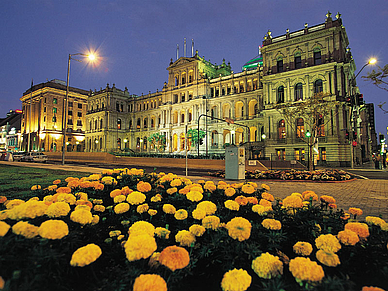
(181, 61)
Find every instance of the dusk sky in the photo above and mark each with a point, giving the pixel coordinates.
(136, 39)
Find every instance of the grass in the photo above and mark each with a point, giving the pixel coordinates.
(16, 182)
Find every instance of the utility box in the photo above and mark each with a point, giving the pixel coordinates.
(234, 162)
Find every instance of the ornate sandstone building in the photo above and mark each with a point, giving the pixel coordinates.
(240, 107)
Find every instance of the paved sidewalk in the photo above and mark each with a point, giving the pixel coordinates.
(369, 195)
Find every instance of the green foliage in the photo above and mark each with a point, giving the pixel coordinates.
(193, 135)
(158, 140)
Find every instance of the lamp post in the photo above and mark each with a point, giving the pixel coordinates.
(91, 57)
(371, 61)
(308, 135)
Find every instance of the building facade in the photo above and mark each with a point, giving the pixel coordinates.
(10, 135)
(42, 126)
(241, 107)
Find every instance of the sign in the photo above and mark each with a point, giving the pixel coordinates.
(252, 163)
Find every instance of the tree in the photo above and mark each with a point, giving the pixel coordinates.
(313, 111)
(193, 135)
(158, 141)
(378, 79)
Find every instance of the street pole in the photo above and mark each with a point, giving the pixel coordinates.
(64, 111)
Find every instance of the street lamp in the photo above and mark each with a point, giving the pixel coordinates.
(91, 58)
(371, 61)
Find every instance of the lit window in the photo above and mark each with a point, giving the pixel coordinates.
(282, 129)
(298, 92)
(280, 95)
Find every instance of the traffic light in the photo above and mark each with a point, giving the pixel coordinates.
(349, 100)
(354, 135)
(359, 99)
(201, 141)
(308, 134)
(320, 120)
(381, 138)
(347, 134)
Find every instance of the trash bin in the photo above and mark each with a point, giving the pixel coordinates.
(234, 162)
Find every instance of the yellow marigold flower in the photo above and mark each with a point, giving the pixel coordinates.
(361, 229)
(136, 198)
(81, 216)
(176, 183)
(197, 230)
(115, 193)
(247, 189)
(94, 177)
(210, 187)
(185, 238)
(25, 229)
(96, 220)
(119, 199)
(261, 210)
(267, 266)
(293, 201)
(174, 257)
(154, 260)
(194, 196)
(64, 190)
(36, 187)
(142, 208)
(348, 237)
(195, 187)
(232, 205)
(3, 214)
(302, 248)
(169, 209)
(139, 247)
(267, 196)
(9, 204)
(58, 209)
(309, 194)
(30, 209)
(141, 227)
(120, 237)
(172, 190)
(230, 191)
(208, 206)
(82, 196)
(107, 180)
(83, 203)
(162, 232)
(375, 220)
(328, 243)
(329, 259)
(303, 269)
(201, 182)
(239, 228)
(52, 187)
(265, 203)
(82, 207)
(99, 208)
(85, 255)
(212, 222)
(181, 214)
(222, 186)
(237, 185)
(236, 280)
(143, 187)
(4, 227)
(114, 233)
(53, 229)
(149, 282)
(355, 211)
(152, 212)
(66, 197)
(198, 214)
(265, 187)
(156, 198)
(370, 288)
(241, 200)
(327, 199)
(73, 183)
(272, 224)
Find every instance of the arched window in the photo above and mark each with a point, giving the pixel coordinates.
(298, 92)
(318, 86)
(279, 65)
(101, 123)
(138, 123)
(95, 125)
(299, 128)
(317, 56)
(320, 125)
(280, 95)
(298, 60)
(145, 123)
(282, 129)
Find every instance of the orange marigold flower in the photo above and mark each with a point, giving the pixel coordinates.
(348, 237)
(327, 199)
(328, 258)
(370, 288)
(64, 190)
(83, 202)
(56, 182)
(174, 257)
(265, 187)
(307, 195)
(3, 199)
(252, 200)
(303, 269)
(267, 196)
(361, 229)
(355, 211)
(149, 282)
(265, 203)
(248, 189)
(302, 248)
(125, 190)
(73, 184)
(36, 187)
(143, 186)
(293, 201)
(241, 200)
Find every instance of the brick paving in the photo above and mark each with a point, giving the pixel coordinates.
(368, 194)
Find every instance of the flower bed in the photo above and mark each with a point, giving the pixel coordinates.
(127, 230)
(319, 175)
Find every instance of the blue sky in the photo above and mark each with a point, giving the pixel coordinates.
(136, 39)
